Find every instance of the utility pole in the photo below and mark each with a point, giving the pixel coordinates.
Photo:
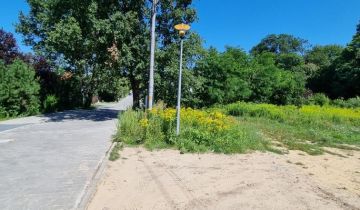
(152, 56)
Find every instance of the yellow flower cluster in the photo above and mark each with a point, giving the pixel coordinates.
(293, 113)
(213, 120)
(144, 123)
(330, 112)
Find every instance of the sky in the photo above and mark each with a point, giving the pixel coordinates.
(243, 23)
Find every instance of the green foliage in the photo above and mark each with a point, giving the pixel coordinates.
(114, 154)
(340, 78)
(3, 113)
(114, 89)
(225, 76)
(167, 72)
(129, 130)
(349, 103)
(201, 131)
(289, 61)
(233, 75)
(318, 99)
(19, 89)
(308, 128)
(279, 44)
(90, 38)
(306, 114)
(50, 104)
(323, 56)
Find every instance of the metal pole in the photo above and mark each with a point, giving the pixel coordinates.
(179, 91)
(152, 56)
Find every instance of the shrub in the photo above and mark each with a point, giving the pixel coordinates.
(18, 89)
(3, 113)
(349, 103)
(50, 104)
(318, 99)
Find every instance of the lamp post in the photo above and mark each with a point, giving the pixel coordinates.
(152, 56)
(182, 28)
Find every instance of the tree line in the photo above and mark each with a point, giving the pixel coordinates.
(85, 48)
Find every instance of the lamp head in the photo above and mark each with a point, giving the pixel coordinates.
(182, 28)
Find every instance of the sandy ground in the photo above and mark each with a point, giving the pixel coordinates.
(166, 179)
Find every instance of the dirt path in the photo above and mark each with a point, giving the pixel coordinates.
(168, 180)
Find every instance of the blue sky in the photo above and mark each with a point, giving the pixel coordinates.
(243, 23)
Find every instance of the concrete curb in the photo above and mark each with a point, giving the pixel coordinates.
(90, 188)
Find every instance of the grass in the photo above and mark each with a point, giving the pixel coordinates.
(114, 154)
(201, 131)
(309, 128)
(243, 127)
(7, 118)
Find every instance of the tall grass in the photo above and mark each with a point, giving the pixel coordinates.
(307, 128)
(242, 127)
(201, 131)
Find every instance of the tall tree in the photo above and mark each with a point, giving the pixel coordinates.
(88, 36)
(346, 71)
(323, 56)
(8, 47)
(282, 43)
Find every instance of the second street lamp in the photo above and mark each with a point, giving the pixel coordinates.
(182, 28)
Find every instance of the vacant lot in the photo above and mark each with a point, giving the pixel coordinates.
(166, 179)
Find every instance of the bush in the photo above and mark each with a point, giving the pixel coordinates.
(350, 103)
(18, 89)
(3, 113)
(201, 131)
(50, 104)
(318, 99)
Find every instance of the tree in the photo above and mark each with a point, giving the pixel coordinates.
(346, 72)
(225, 76)
(289, 61)
(323, 56)
(8, 47)
(167, 65)
(87, 36)
(282, 43)
(271, 84)
(319, 61)
(18, 89)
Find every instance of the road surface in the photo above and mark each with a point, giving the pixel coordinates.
(47, 162)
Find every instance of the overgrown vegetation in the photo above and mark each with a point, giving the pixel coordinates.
(31, 84)
(307, 128)
(87, 48)
(201, 131)
(242, 127)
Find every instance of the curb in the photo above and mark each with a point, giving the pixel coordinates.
(90, 188)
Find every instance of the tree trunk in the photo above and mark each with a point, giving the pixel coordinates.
(136, 93)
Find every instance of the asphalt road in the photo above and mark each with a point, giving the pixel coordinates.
(47, 162)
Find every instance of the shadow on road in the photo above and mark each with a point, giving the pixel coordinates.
(93, 115)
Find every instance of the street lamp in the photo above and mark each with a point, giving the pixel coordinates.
(182, 28)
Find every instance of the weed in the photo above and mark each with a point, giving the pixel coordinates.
(114, 154)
